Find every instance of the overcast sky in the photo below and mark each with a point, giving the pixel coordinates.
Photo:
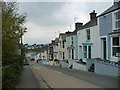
(46, 19)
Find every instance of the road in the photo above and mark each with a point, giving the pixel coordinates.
(58, 77)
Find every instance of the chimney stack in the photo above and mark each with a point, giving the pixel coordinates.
(92, 15)
(78, 25)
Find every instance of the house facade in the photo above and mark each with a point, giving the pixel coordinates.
(109, 26)
(55, 49)
(88, 39)
(62, 47)
(72, 42)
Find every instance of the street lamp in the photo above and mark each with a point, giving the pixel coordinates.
(22, 31)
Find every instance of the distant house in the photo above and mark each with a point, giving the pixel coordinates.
(71, 43)
(55, 49)
(62, 46)
(88, 39)
(44, 54)
(109, 26)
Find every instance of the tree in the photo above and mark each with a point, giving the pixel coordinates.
(12, 24)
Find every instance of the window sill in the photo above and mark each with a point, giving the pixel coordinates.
(113, 58)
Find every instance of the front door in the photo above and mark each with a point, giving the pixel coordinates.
(87, 52)
(104, 48)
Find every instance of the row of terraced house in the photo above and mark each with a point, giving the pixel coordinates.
(96, 43)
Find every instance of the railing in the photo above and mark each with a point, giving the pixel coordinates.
(109, 62)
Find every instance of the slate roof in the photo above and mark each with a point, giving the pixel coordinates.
(90, 24)
(111, 9)
(63, 36)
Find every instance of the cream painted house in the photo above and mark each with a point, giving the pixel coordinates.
(55, 49)
(62, 47)
(88, 39)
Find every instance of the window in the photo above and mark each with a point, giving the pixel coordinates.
(63, 55)
(116, 41)
(60, 55)
(85, 51)
(89, 51)
(88, 34)
(72, 53)
(63, 44)
(69, 54)
(72, 41)
(60, 43)
(115, 46)
(117, 20)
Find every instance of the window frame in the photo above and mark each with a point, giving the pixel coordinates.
(114, 46)
(85, 52)
(72, 53)
(88, 34)
(63, 55)
(114, 20)
(63, 44)
(72, 40)
(69, 53)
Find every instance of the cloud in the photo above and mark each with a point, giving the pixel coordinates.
(61, 0)
(46, 18)
(39, 34)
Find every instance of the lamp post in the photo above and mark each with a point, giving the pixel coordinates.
(22, 31)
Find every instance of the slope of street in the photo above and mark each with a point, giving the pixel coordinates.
(57, 77)
(27, 79)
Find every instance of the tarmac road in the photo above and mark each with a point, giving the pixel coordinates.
(58, 77)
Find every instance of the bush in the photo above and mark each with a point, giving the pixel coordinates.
(10, 76)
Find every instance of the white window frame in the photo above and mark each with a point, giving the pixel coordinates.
(73, 54)
(114, 46)
(114, 20)
(63, 55)
(63, 44)
(69, 52)
(72, 40)
(88, 34)
(87, 51)
(84, 52)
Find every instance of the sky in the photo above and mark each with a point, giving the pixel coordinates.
(45, 20)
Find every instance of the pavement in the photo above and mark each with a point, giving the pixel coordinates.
(27, 79)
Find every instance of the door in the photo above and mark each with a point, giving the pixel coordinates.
(104, 48)
(89, 52)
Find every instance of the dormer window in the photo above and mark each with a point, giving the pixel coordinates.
(88, 34)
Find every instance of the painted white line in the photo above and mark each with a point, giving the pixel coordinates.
(57, 71)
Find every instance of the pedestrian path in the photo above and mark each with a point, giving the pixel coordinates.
(27, 79)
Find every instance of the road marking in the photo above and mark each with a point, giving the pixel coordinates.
(57, 71)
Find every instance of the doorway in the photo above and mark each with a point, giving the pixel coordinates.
(104, 47)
